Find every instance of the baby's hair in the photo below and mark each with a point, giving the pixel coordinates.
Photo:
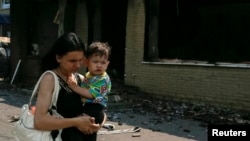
(98, 48)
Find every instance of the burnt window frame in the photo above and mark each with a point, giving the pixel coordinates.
(154, 41)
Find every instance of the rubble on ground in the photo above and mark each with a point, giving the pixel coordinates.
(167, 110)
(140, 103)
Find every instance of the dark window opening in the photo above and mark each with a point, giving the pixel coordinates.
(208, 30)
(107, 23)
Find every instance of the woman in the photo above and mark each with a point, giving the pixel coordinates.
(64, 58)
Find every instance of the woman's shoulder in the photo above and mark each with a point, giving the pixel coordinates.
(48, 76)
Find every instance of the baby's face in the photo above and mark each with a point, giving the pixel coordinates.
(97, 64)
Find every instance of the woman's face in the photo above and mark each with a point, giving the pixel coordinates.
(71, 62)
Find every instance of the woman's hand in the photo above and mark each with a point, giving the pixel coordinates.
(87, 124)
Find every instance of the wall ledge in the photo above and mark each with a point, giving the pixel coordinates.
(199, 63)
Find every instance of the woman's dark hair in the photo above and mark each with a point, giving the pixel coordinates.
(66, 43)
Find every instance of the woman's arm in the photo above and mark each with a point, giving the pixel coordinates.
(44, 121)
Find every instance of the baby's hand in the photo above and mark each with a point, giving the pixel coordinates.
(71, 82)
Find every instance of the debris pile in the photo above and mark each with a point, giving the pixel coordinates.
(141, 103)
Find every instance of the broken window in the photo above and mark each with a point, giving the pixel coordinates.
(207, 30)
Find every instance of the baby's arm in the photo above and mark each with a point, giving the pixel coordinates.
(81, 91)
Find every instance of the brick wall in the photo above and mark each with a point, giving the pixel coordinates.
(134, 40)
(219, 86)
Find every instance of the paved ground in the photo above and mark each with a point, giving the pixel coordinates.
(153, 127)
(177, 130)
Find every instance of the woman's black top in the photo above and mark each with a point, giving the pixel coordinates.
(69, 105)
